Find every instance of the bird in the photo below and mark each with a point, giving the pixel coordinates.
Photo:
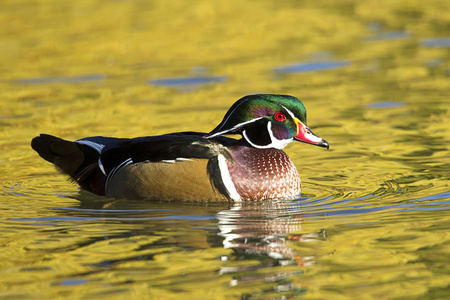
(194, 166)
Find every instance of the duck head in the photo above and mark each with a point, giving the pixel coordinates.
(268, 121)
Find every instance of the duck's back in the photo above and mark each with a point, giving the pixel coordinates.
(173, 167)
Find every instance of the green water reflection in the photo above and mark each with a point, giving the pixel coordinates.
(373, 219)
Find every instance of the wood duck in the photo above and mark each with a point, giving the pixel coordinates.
(193, 166)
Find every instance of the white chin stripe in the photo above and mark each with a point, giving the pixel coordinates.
(226, 179)
(275, 143)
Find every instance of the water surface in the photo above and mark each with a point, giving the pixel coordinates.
(373, 218)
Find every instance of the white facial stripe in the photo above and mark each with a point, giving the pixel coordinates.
(289, 112)
(234, 127)
(226, 179)
(275, 143)
(226, 120)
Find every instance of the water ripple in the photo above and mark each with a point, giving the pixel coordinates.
(389, 35)
(436, 42)
(386, 104)
(61, 79)
(186, 83)
(311, 67)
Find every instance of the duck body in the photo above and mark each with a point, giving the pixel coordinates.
(193, 166)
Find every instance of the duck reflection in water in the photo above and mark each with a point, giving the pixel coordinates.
(265, 231)
(265, 228)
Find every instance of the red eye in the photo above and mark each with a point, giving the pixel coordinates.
(280, 117)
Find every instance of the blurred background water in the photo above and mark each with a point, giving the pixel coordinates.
(373, 218)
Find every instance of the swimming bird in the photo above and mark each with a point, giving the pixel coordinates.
(194, 166)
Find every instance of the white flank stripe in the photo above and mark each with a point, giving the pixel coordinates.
(226, 179)
(168, 161)
(172, 161)
(100, 165)
(114, 170)
(182, 159)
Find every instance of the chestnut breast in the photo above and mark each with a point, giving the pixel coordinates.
(260, 174)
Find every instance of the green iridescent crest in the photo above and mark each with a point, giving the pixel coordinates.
(262, 108)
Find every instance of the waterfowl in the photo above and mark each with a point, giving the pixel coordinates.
(193, 166)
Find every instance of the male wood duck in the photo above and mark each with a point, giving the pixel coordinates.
(192, 166)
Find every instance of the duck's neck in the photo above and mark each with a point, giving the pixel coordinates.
(260, 174)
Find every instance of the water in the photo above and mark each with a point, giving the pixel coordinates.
(62, 79)
(187, 83)
(373, 218)
(311, 67)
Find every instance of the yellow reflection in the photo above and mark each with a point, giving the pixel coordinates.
(84, 68)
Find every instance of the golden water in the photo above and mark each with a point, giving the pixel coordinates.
(373, 219)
